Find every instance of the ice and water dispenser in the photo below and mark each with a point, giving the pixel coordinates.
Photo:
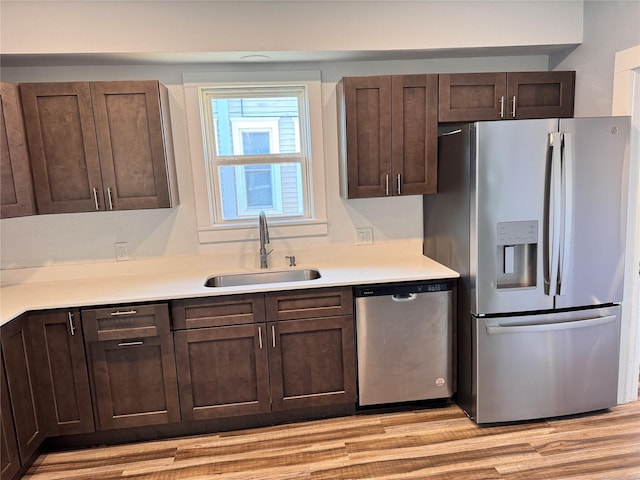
(517, 253)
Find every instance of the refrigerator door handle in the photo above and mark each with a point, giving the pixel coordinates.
(555, 213)
(567, 194)
(546, 327)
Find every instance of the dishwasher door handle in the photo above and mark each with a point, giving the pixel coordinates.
(407, 297)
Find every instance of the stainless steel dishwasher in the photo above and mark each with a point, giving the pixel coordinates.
(404, 339)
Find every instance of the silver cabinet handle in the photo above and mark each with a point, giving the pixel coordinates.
(95, 198)
(399, 181)
(386, 184)
(273, 335)
(130, 344)
(513, 107)
(502, 106)
(260, 337)
(123, 312)
(110, 199)
(72, 327)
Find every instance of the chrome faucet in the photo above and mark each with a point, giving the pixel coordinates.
(264, 240)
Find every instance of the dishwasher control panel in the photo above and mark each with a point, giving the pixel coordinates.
(403, 288)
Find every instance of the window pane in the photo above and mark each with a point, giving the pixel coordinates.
(255, 142)
(275, 188)
(259, 186)
(273, 121)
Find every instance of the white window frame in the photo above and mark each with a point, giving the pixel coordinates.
(209, 229)
(257, 124)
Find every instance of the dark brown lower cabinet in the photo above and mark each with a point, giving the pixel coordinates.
(222, 371)
(134, 382)
(23, 391)
(312, 362)
(131, 366)
(258, 368)
(63, 382)
(9, 456)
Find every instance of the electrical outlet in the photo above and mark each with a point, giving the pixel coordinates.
(122, 251)
(364, 236)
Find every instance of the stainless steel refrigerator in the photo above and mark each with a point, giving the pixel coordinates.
(532, 214)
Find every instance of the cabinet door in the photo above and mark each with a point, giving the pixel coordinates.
(468, 97)
(540, 94)
(23, 391)
(134, 382)
(16, 187)
(222, 371)
(414, 134)
(61, 368)
(367, 131)
(131, 365)
(312, 362)
(131, 143)
(9, 456)
(62, 147)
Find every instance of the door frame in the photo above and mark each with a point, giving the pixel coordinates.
(626, 101)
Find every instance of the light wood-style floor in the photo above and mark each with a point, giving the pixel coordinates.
(439, 443)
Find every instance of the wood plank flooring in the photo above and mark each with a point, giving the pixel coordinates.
(439, 443)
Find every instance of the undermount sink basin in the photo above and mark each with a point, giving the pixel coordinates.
(253, 278)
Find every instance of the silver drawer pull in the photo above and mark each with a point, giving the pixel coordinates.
(123, 312)
(130, 344)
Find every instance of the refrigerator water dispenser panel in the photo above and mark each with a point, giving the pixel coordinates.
(516, 254)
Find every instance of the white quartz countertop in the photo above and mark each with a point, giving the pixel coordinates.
(147, 281)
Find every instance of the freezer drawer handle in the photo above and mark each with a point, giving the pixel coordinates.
(546, 327)
(404, 298)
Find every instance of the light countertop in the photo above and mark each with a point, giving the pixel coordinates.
(184, 277)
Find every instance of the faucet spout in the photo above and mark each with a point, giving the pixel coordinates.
(264, 239)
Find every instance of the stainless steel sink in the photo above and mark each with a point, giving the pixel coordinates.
(253, 278)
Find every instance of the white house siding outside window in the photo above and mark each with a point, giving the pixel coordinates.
(261, 151)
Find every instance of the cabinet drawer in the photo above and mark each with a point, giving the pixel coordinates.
(125, 322)
(217, 311)
(321, 302)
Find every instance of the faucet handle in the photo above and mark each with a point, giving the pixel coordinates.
(292, 260)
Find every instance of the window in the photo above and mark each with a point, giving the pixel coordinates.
(257, 155)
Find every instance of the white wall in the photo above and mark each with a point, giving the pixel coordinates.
(609, 26)
(41, 28)
(85, 237)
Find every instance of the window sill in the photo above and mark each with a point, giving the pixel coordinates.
(249, 232)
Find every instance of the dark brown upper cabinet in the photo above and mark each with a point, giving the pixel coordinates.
(99, 145)
(16, 188)
(468, 97)
(388, 135)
